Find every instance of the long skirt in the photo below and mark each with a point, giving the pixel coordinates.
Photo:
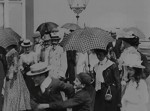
(16, 95)
(101, 104)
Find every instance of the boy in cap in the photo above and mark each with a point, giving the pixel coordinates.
(47, 88)
(81, 101)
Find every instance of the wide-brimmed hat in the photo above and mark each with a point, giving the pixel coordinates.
(84, 78)
(26, 43)
(130, 38)
(133, 60)
(37, 69)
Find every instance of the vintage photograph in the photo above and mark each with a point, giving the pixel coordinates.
(74, 55)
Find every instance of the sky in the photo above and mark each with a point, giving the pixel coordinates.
(105, 14)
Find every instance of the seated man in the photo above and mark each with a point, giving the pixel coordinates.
(47, 88)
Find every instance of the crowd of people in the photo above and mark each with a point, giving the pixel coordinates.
(42, 76)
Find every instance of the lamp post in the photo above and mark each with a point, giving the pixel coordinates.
(78, 8)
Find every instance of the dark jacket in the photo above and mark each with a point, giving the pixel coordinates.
(52, 93)
(114, 49)
(111, 78)
(80, 102)
(2, 76)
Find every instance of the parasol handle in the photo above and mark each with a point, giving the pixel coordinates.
(89, 62)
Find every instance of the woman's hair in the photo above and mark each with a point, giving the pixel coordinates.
(138, 74)
(97, 51)
(10, 56)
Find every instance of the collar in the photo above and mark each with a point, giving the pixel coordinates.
(55, 47)
(103, 62)
(114, 43)
(45, 84)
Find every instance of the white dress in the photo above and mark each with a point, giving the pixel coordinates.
(135, 97)
(28, 59)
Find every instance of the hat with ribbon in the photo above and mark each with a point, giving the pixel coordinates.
(130, 38)
(84, 78)
(26, 43)
(37, 69)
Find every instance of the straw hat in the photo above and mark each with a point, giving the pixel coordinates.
(133, 60)
(38, 69)
(26, 43)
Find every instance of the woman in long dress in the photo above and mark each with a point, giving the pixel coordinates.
(26, 60)
(136, 93)
(107, 82)
(16, 95)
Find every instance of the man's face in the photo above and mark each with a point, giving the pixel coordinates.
(77, 84)
(37, 80)
(47, 44)
(113, 35)
(36, 40)
(55, 42)
(27, 49)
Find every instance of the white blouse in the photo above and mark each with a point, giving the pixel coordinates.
(135, 97)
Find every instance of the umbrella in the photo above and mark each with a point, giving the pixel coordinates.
(46, 27)
(85, 39)
(71, 26)
(6, 40)
(136, 31)
(13, 34)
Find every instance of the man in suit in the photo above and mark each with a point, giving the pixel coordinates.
(48, 89)
(81, 101)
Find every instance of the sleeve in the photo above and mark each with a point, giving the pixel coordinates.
(81, 63)
(75, 101)
(116, 76)
(118, 81)
(35, 58)
(63, 64)
(21, 63)
(143, 92)
(67, 88)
